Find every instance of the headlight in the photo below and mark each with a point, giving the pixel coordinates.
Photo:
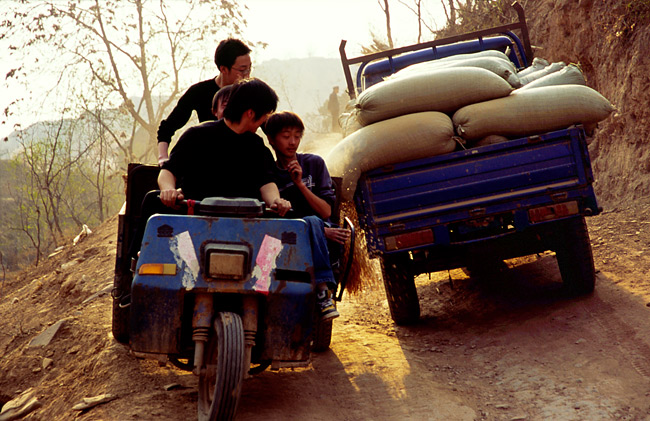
(227, 261)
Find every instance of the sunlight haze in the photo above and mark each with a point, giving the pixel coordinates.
(291, 28)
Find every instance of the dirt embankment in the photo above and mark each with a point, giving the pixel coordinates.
(609, 40)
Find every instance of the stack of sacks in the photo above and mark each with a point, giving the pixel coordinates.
(405, 116)
(441, 85)
(444, 89)
(553, 97)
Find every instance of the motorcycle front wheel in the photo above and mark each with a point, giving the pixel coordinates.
(221, 378)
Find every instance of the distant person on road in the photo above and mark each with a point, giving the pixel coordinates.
(333, 107)
(233, 60)
(303, 179)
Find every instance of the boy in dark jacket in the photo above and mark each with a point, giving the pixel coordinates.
(304, 181)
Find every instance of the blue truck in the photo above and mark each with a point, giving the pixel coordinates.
(473, 208)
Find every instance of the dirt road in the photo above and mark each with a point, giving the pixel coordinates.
(509, 347)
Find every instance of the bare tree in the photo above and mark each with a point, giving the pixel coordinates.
(386, 9)
(417, 9)
(138, 50)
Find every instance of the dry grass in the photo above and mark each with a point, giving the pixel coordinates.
(365, 273)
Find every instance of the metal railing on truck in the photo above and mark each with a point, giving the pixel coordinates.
(396, 59)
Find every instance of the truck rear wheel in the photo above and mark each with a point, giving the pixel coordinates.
(575, 258)
(220, 380)
(400, 290)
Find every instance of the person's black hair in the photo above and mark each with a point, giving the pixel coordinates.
(227, 52)
(222, 94)
(250, 94)
(280, 121)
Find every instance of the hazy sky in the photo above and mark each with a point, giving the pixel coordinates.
(295, 29)
(306, 28)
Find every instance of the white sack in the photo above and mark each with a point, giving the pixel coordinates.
(553, 67)
(349, 123)
(457, 57)
(502, 67)
(532, 111)
(443, 90)
(399, 139)
(538, 64)
(570, 75)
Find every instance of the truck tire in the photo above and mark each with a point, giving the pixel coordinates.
(400, 290)
(220, 380)
(322, 335)
(575, 258)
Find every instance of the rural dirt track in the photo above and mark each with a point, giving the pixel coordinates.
(509, 346)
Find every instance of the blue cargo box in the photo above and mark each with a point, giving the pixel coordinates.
(508, 177)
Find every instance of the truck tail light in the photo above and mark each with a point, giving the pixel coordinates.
(157, 269)
(227, 261)
(409, 239)
(548, 213)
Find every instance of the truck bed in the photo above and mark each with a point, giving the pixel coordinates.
(476, 193)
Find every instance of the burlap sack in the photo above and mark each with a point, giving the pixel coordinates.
(349, 123)
(457, 57)
(399, 139)
(538, 64)
(569, 75)
(553, 67)
(502, 67)
(443, 90)
(532, 111)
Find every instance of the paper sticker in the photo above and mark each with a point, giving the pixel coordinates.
(265, 263)
(183, 249)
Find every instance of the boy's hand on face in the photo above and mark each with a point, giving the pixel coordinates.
(340, 235)
(295, 170)
(281, 206)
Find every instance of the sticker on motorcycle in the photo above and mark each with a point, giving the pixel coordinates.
(265, 263)
(183, 249)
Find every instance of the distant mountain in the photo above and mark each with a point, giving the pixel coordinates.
(303, 86)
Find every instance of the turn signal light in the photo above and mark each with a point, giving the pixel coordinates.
(548, 213)
(157, 269)
(409, 239)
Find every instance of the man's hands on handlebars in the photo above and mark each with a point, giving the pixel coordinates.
(281, 206)
(171, 198)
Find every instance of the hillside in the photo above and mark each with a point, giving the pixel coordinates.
(609, 40)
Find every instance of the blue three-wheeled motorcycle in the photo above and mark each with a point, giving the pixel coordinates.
(225, 290)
